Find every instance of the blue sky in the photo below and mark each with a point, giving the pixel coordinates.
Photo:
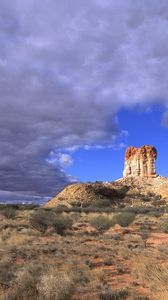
(107, 164)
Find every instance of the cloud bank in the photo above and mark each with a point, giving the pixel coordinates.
(66, 68)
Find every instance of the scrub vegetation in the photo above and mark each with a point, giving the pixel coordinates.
(58, 254)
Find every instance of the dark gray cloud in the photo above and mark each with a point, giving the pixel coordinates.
(66, 68)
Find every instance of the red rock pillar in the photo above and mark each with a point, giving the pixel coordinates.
(140, 161)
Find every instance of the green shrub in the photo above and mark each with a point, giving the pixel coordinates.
(108, 262)
(6, 270)
(122, 192)
(101, 203)
(61, 223)
(137, 210)
(158, 202)
(123, 219)
(9, 213)
(75, 216)
(146, 198)
(41, 220)
(164, 226)
(105, 192)
(76, 203)
(101, 223)
(155, 214)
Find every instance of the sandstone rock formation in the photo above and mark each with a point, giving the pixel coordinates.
(84, 194)
(139, 187)
(140, 161)
(128, 191)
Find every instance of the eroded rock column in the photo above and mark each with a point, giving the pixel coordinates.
(140, 161)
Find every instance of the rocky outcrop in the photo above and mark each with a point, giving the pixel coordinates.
(140, 161)
(125, 192)
(85, 194)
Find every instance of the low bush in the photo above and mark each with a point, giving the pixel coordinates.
(105, 191)
(122, 192)
(146, 198)
(19, 206)
(136, 210)
(9, 213)
(101, 223)
(41, 219)
(114, 295)
(61, 223)
(155, 214)
(123, 219)
(159, 203)
(108, 262)
(75, 216)
(101, 203)
(164, 226)
(76, 203)
(144, 231)
(6, 270)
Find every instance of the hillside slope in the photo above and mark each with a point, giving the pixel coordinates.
(130, 191)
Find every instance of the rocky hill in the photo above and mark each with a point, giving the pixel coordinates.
(140, 186)
(87, 194)
(130, 191)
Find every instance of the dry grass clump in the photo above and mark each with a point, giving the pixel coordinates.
(155, 275)
(35, 282)
(58, 285)
(11, 239)
(84, 277)
(38, 282)
(26, 284)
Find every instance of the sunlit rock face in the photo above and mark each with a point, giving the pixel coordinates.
(140, 161)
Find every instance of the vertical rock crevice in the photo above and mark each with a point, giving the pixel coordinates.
(140, 161)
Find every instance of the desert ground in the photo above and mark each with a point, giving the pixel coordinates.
(83, 253)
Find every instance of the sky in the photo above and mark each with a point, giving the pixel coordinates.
(79, 82)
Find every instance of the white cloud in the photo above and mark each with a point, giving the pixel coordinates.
(60, 160)
(116, 146)
(124, 133)
(119, 146)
